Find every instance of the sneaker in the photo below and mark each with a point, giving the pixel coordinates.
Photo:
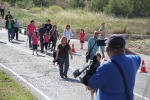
(66, 76)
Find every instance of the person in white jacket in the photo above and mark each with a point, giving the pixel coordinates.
(68, 33)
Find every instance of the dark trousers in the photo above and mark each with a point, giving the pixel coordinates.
(10, 34)
(53, 44)
(16, 29)
(2, 12)
(49, 42)
(42, 45)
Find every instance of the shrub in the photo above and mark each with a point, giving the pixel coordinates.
(35, 10)
(55, 9)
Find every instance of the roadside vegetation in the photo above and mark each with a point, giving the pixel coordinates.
(79, 18)
(10, 90)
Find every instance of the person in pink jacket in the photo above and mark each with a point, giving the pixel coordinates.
(31, 28)
(35, 38)
(81, 37)
(46, 37)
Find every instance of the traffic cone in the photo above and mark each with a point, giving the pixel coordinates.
(73, 49)
(143, 69)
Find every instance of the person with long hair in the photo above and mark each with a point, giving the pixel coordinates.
(54, 37)
(67, 33)
(62, 54)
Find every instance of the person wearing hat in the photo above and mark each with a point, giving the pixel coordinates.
(102, 32)
(16, 28)
(107, 79)
(10, 27)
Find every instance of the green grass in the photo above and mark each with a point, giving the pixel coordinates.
(10, 90)
(90, 21)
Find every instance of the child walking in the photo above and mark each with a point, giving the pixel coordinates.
(35, 38)
(46, 38)
(81, 37)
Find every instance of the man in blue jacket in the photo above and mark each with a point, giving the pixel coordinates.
(107, 80)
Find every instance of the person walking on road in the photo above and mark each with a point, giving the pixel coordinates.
(102, 32)
(107, 79)
(31, 28)
(42, 31)
(81, 37)
(35, 38)
(53, 37)
(2, 7)
(9, 26)
(46, 38)
(48, 27)
(92, 43)
(16, 28)
(62, 54)
(6, 17)
(67, 33)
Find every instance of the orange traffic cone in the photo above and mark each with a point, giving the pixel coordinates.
(73, 49)
(143, 69)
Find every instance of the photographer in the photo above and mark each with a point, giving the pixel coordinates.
(92, 46)
(108, 79)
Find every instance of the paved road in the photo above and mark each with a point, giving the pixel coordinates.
(41, 77)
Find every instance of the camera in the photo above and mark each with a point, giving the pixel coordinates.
(88, 70)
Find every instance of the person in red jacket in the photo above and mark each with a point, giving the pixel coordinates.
(35, 38)
(30, 29)
(81, 37)
(46, 40)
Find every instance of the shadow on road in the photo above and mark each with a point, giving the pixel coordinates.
(72, 80)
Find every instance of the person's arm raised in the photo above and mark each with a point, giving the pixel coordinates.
(127, 51)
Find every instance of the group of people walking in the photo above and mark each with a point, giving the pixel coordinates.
(12, 26)
(106, 80)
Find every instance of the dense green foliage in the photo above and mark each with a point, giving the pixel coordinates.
(125, 8)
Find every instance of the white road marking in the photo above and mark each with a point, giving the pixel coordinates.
(21, 78)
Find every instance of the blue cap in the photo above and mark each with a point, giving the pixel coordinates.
(16, 18)
(115, 42)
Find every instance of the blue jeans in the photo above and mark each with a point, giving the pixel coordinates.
(30, 44)
(10, 34)
(63, 66)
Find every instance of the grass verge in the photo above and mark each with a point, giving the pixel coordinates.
(10, 90)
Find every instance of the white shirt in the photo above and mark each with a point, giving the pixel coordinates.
(2, 6)
(67, 33)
